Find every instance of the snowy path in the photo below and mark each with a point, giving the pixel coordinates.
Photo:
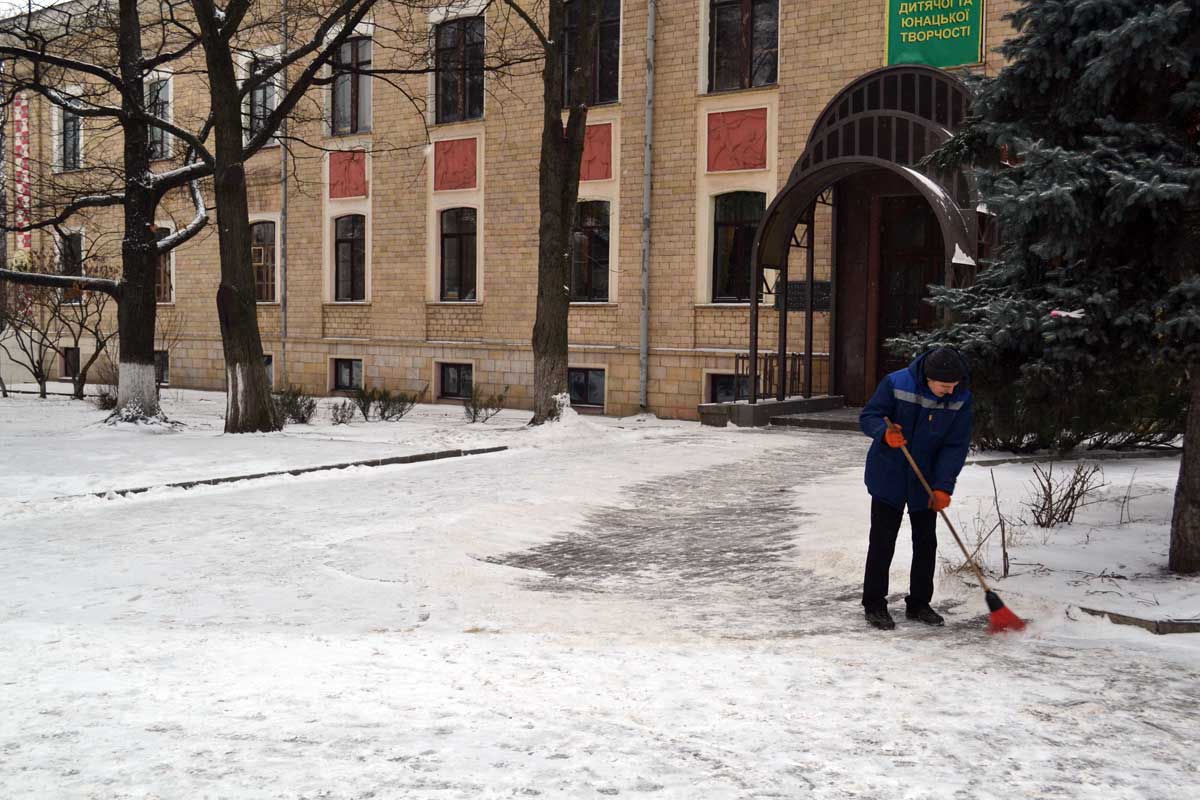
(608, 616)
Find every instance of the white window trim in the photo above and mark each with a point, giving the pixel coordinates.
(364, 29)
(340, 207)
(706, 33)
(455, 9)
(159, 75)
(274, 218)
(443, 199)
(613, 246)
(170, 226)
(56, 126)
(244, 60)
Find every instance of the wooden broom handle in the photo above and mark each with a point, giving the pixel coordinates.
(949, 524)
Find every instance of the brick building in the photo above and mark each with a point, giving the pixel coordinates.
(408, 254)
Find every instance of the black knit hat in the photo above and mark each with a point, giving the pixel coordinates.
(945, 365)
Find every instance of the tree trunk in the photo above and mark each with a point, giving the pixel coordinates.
(1185, 521)
(137, 395)
(249, 406)
(558, 193)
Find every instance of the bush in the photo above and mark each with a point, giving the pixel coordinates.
(105, 398)
(107, 376)
(481, 408)
(364, 400)
(390, 406)
(343, 412)
(295, 405)
(1053, 501)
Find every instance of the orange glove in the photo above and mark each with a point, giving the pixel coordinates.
(894, 437)
(940, 501)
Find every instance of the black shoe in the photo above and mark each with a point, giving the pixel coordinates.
(925, 614)
(879, 617)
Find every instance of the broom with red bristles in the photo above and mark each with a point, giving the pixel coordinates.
(1002, 617)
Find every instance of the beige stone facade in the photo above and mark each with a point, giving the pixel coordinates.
(402, 330)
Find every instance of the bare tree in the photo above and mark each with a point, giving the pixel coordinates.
(31, 315)
(558, 186)
(83, 317)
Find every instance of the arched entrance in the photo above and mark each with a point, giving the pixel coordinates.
(897, 223)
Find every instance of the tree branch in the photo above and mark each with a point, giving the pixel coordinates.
(106, 285)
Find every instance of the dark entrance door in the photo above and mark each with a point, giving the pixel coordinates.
(911, 257)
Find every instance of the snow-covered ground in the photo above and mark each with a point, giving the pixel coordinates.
(609, 608)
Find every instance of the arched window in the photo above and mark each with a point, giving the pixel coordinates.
(350, 252)
(589, 253)
(458, 254)
(460, 69)
(735, 220)
(262, 256)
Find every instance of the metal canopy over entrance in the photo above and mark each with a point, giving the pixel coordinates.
(886, 121)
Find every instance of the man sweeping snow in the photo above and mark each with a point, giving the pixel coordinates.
(930, 404)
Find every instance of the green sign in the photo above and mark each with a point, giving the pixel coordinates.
(940, 33)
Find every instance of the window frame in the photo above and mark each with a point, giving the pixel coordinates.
(715, 227)
(70, 295)
(265, 55)
(459, 366)
(160, 143)
(714, 377)
(336, 385)
(603, 26)
(587, 378)
(465, 297)
(588, 231)
(167, 229)
(162, 367)
(746, 79)
(66, 362)
(358, 84)
(274, 222)
(460, 67)
(337, 242)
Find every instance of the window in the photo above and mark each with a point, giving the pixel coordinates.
(70, 362)
(70, 256)
(351, 88)
(459, 86)
(347, 374)
(350, 251)
(742, 42)
(458, 254)
(589, 253)
(262, 257)
(455, 381)
(728, 388)
(158, 104)
(162, 367)
(164, 286)
(262, 99)
(586, 387)
(735, 221)
(71, 141)
(606, 55)
(269, 366)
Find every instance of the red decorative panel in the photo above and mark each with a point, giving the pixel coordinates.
(454, 164)
(737, 140)
(347, 174)
(597, 153)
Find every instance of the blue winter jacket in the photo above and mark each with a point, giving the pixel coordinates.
(938, 431)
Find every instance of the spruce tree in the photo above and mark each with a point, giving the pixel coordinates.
(1086, 152)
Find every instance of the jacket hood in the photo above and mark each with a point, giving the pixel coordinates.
(917, 368)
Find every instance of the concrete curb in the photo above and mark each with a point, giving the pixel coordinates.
(1159, 626)
(370, 462)
(1085, 456)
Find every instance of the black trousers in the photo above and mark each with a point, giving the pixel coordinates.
(885, 525)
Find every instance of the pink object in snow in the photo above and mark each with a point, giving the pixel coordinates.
(1076, 314)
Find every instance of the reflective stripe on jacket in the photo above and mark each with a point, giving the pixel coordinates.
(938, 431)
